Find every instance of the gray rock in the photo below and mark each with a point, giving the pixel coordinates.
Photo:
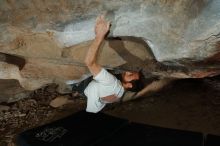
(183, 38)
(173, 29)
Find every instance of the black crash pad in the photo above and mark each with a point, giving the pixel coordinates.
(144, 135)
(87, 129)
(80, 129)
(212, 140)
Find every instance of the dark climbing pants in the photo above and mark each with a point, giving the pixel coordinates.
(80, 87)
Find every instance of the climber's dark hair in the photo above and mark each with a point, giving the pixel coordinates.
(137, 85)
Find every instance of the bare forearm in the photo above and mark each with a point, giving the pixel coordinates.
(91, 56)
(154, 86)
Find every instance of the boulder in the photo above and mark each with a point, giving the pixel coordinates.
(45, 42)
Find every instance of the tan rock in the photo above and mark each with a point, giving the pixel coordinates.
(59, 101)
(52, 38)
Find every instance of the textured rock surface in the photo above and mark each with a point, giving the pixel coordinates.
(11, 91)
(45, 42)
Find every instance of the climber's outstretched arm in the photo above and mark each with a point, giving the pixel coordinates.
(101, 29)
(147, 90)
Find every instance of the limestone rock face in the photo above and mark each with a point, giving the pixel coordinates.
(45, 42)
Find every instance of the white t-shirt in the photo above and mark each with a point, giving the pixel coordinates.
(104, 84)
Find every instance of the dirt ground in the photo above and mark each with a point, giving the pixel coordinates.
(191, 104)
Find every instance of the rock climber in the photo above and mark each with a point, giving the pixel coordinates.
(104, 87)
